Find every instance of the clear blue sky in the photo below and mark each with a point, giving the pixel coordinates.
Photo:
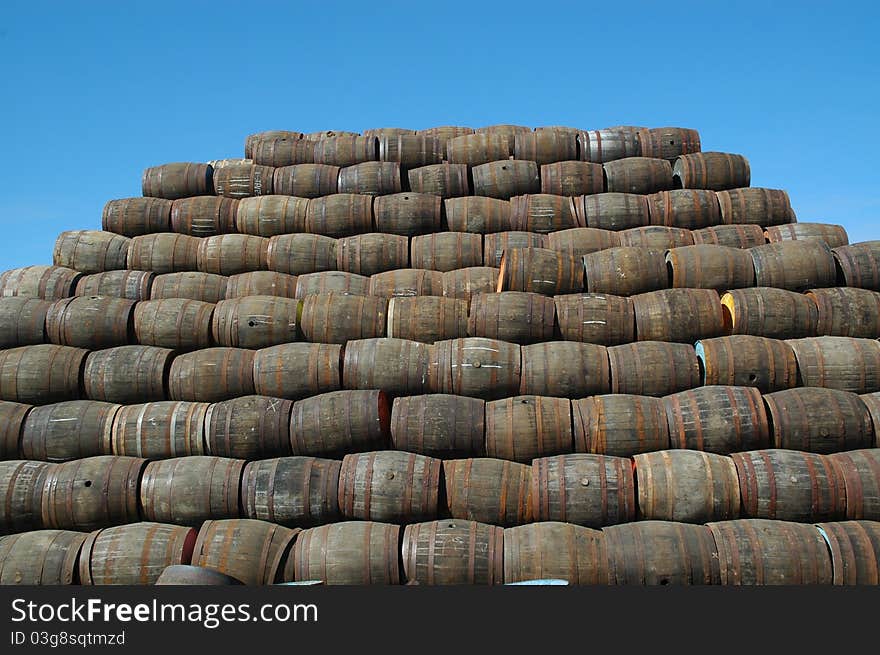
(94, 92)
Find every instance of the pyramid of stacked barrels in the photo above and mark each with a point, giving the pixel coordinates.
(445, 356)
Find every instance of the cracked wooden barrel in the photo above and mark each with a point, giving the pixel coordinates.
(133, 285)
(91, 251)
(566, 369)
(860, 471)
(12, 419)
(847, 312)
(513, 316)
(553, 550)
(42, 557)
(412, 150)
(506, 178)
(638, 175)
(297, 254)
(608, 144)
(206, 287)
(132, 217)
(475, 367)
(687, 486)
(710, 267)
(347, 553)
(175, 323)
(668, 142)
(91, 493)
(372, 178)
(522, 428)
(439, 425)
(389, 486)
(855, 548)
(134, 554)
(127, 374)
(476, 149)
(711, 170)
(755, 206)
(405, 282)
(834, 235)
(91, 322)
(443, 180)
(858, 264)
(843, 363)
(733, 236)
(324, 282)
(21, 483)
(542, 213)
(43, 282)
(249, 427)
(282, 151)
(769, 312)
(427, 318)
(164, 253)
(790, 486)
(397, 366)
(228, 254)
(203, 216)
(339, 318)
(160, 430)
(540, 270)
(41, 374)
(297, 370)
(819, 420)
(68, 430)
(306, 180)
(464, 282)
(794, 265)
(256, 321)
(597, 318)
(653, 368)
(580, 241)
(446, 251)
(496, 243)
(260, 283)
(682, 315)
(748, 361)
(268, 216)
(546, 146)
(691, 209)
(211, 375)
(626, 271)
(613, 211)
(292, 491)
(178, 180)
(488, 490)
(656, 236)
(339, 422)
(248, 550)
(584, 489)
(346, 149)
(453, 552)
(477, 214)
(23, 321)
(367, 254)
(765, 552)
(572, 178)
(620, 425)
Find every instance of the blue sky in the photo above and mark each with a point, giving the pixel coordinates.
(94, 92)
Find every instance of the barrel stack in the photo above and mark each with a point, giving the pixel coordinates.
(445, 356)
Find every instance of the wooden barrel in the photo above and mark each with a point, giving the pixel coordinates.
(373, 178)
(203, 216)
(553, 550)
(91, 322)
(565, 369)
(755, 206)
(763, 552)
(475, 367)
(668, 142)
(683, 315)
(819, 420)
(656, 236)
(790, 486)
(189, 490)
(496, 243)
(340, 215)
(691, 209)
(306, 180)
(834, 235)
(514, 316)
(464, 282)
(21, 483)
(389, 486)
(297, 254)
(91, 251)
(260, 283)
(164, 253)
(211, 375)
(427, 318)
(626, 271)
(324, 282)
(267, 216)
(367, 254)
(540, 270)
(769, 312)
(855, 548)
(249, 550)
(572, 178)
(160, 430)
(292, 491)
(228, 254)
(297, 370)
(133, 285)
(488, 490)
(178, 180)
(256, 321)
(188, 575)
(710, 267)
(42, 557)
(452, 552)
(282, 151)
(525, 427)
(12, 419)
(339, 422)
(711, 170)
(580, 241)
(506, 178)
(476, 214)
(397, 366)
(346, 149)
(847, 312)
(608, 144)
(43, 282)
(408, 214)
(132, 217)
(687, 486)
(546, 146)
(718, 419)
(476, 149)
(542, 213)
(621, 425)
(206, 287)
(252, 139)
(439, 425)
(838, 363)
(860, 471)
(661, 553)
(327, 134)
(744, 360)
(23, 321)
(405, 282)
(653, 368)
(858, 264)
(68, 430)
(446, 132)
(339, 318)
(248, 427)
(134, 554)
(387, 131)
(584, 489)
(229, 161)
(91, 493)
(509, 131)
(733, 236)
(595, 318)
(794, 265)
(443, 180)
(446, 251)
(127, 374)
(412, 150)
(41, 374)
(347, 553)
(638, 175)
(612, 211)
